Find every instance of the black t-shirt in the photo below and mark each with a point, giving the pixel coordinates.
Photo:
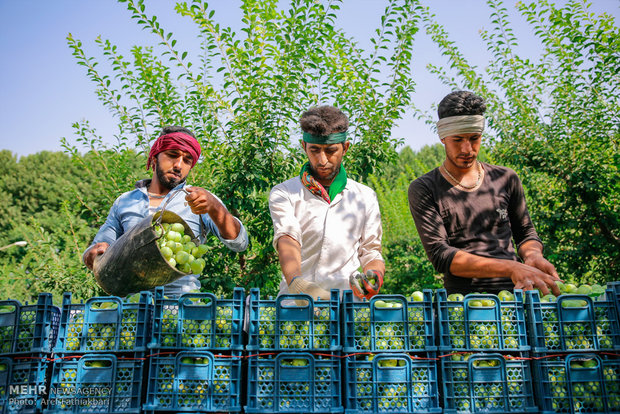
(481, 222)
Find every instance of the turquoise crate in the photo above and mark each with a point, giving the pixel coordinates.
(194, 381)
(105, 324)
(391, 383)
(28, 328)
(578, 383)
(102, 383)
(615, 294)
(585, 325)
(23, 386)
(481, 322)
(293, 322)
(198, 321)
(487, 383)
(294, 382)
(406, 326)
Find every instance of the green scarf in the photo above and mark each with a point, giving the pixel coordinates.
(336, 187)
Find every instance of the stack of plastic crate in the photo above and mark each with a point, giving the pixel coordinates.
(195, 356)
(294, 354)
(99, 359)
(576, 347)
(27, 337)
(390, 363)
(485, 359)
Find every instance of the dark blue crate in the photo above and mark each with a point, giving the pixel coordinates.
(487, 383)
(406, 327)
(28, 328)
(102, 383)
(294, 322)
(466, 326)
(194, 381)
(198, 321)
(615, 294)
(391, 383)
(577, 383)
(23, 386)
(553, 327)
(294, 382)
(105, 324)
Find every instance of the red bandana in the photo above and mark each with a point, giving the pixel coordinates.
(175, 140)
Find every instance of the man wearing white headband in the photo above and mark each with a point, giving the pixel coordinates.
(327, 227)
(468, 213)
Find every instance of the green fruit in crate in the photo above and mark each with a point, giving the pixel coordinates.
(506, 296)
(455, 297)
(417, 296)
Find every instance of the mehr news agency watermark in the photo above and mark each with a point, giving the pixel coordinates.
(28, 395)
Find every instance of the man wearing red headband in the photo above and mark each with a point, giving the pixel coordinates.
(172, 156)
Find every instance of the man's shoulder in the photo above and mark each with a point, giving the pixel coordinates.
(428, 180)
(290, 185)
(359, 187)
(498, 169)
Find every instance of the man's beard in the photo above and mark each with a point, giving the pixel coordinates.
(166, 182)
(330, 177)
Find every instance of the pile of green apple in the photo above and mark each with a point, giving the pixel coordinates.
(488, 396)
(595, 291)
(25, 325)
(483, 334)
(178, 248)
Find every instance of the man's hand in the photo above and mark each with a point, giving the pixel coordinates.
(366, 285)
(201, 201)
(529, 277)
(299, 285)
(90, 254)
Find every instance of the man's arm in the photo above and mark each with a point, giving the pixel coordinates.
(524, 276)
(202, 201)
(289, 254)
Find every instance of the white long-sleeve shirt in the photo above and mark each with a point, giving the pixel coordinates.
(336, 239)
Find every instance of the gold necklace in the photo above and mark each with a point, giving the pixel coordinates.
(476, 184)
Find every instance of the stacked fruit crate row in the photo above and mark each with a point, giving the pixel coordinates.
(294, 354)
(576, 347)
(485, 364)
(195, 359)
(99, 358)
(390, 363)
(27, 337)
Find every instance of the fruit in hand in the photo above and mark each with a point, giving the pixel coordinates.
(178, 249)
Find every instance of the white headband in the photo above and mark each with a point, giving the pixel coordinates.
(464, 124)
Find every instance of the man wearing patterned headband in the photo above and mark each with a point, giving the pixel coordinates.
(468, 213)
(327, 227)
(172, 156)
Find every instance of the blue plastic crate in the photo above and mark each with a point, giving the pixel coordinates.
(294, 382)
(487, 383)
(406, 326)
(481, 322)
(586, 325)
(615, 294)
(294, 322)
(194, 381)
(391, 383)
(578, 383)
(28, 328)
(105, 324)
(22, 383)
(102, 383)
(198, 321)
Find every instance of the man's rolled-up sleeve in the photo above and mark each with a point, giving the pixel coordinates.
(239, 243)
(282, 216)
(112, 229)
(370, 243)
(430, 227)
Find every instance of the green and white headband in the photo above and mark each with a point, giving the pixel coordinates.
(463, 124)
(335, 138)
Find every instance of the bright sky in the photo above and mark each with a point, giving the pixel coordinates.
(43, 91)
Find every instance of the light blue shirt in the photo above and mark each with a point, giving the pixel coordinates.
(131, 207)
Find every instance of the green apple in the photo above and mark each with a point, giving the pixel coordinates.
(506, 296)
(177, 227)
(417, 296)
(455, 297)
(166, 252)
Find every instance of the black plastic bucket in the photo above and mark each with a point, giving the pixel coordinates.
(134, 262)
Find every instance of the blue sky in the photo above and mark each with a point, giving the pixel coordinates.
(43, 91)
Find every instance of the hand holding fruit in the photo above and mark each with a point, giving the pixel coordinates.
(366, 285)
(528, 278)
(299, 285)
(95, 250)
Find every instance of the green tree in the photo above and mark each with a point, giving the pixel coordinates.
(555, 121)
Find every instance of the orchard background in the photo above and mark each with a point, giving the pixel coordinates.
(555, 120)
